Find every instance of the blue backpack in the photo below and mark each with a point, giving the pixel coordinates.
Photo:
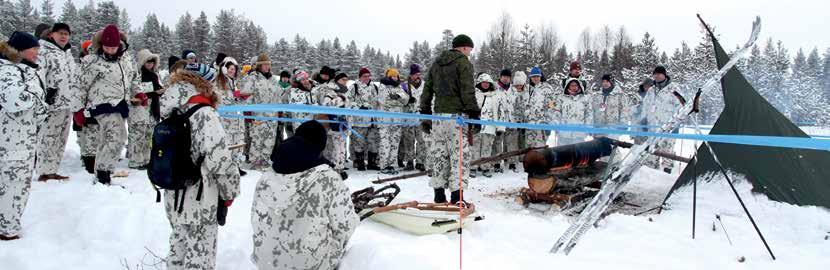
(171, 166)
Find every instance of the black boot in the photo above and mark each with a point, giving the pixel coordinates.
(513, 168)
(400, 164)
(440, 197)
(242, 173)
(359, 162)
(455, 196)
(410, 166)
(89, 163)
(420, 167)
(103, 177)
(373, 162)
(497, 168)
(344, 175)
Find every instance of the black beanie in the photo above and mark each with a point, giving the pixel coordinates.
(462, 40)
(172, 61)
(22, 41)
(506, 72)
(61, 26)
(660, 69)
(313, 133)
(607, 77)
(219, 58)
(40, 28)
(340, 76)
(285, 74)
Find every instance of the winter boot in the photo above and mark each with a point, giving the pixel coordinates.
(487, 173)
(420, 167)
(9, 238)
(89, 164)
(497, 168)
(513, 168)
(103, 177)
(373, 162)
(359, 163)
(389, 170)
(344, 175)
(667, 170)
(400, 164)
(440, 196)
(455, 197)
(410, 166)
(473, 173)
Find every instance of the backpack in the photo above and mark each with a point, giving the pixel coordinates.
(171, 166)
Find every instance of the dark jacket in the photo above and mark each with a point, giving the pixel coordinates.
(451, 83)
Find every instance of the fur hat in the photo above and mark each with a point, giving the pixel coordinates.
(519, 78)
(262, 59)
(145, 56)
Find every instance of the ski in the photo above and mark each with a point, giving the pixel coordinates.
(621, 175)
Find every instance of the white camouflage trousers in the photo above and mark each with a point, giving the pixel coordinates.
(336, 150)
(140, 141)
(655, 162)
(445, 152)
(368, 142)
(86, 140)
(112, 134)
(15, 181)
(483, 147)
(390, 137)
(406, 149)
(192, 247)
(536, 138)
(512, 143)
(263, 138)
(52, 136)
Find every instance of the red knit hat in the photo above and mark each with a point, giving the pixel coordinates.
(363, 71)
(111, 37)
(575, 65)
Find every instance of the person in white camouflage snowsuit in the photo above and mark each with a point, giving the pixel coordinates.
(541, 104)
(412, 145)
(573, 107)
(514, 139)
(302, 215)
(22, 106)
(141, 121)
(261, 85)
(451, 83)
(612, 106)
(659, 106)
(494, 108)
(84, 124)
(301, 95)
(107, 78)
(334, 95)
(363, 146)
(574, 72)
(59, 73)
(229, 94)
(194, 225)
(499, 146)
(392, 98)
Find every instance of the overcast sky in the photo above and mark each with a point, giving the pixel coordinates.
(393, 25)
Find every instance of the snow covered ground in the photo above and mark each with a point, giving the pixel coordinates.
(77, 225)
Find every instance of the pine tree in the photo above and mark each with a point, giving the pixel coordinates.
(69, 15)
(108, 13)
(351, 60)
(826, 74)
(24, 18)
(227, 40)
(525, 49)
(281, 55)
(88, 21)
(47, 12)
(151, 37)
(7, 19)
(202, 38)
(646, 54)
(184, 37)
(124, 21)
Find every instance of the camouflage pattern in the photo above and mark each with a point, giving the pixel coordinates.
(140, 122)
(517, 105)
(263, 133)
(58, 69)
(302, 220)
(450, 82)
(390, 135)
(193, 240)
(86, 140)
(22, 108)
(111, 139)
(658, 107)
(363, 96)
(574, 110)
(304, 97)
(483, 147)
(234, 127)
(336, 143)
(445, 152)
(408, 148)
(614, 108)
(541, 103)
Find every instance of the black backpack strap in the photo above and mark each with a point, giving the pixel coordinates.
(193, 110)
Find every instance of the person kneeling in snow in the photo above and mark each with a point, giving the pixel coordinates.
(302, 213)
(193, 239)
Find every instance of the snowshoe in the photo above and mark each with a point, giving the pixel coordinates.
(410, 166)
(389, 170)
(420, 167)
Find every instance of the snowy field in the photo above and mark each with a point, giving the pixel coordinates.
(77, 225)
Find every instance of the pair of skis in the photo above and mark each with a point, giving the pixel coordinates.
(620, 174)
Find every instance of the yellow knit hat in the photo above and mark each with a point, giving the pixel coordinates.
(392, 72)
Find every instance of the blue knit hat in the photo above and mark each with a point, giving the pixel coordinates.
(535, 72)
(202, 70)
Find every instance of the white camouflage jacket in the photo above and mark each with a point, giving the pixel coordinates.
(107, 81)
(363, 96)
(21, 107)
(660, 103)
(540, 103)
(59, 71)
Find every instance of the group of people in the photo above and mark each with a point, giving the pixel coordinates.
(302, 213)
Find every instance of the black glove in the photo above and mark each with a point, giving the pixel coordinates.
(51, 94)
(499, 133)
(475, 115)
(394, 97)
(221, 212)
(364, 108)
(412, 100)
(426, 126)
(290, 128)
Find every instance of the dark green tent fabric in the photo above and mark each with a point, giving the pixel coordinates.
(796, 176)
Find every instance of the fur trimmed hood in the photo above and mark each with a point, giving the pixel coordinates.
(9, 53)
(96, 41)
(145, 56)
(201, 85)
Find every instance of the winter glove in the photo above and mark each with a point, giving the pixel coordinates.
(222, 211)
(143, 99)
(499, 133)
(426, 126)
(51, 94)
(228, 203)
(248, 120)
(394, 96)
(475, 115)
(364, 108)
(78, 120)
